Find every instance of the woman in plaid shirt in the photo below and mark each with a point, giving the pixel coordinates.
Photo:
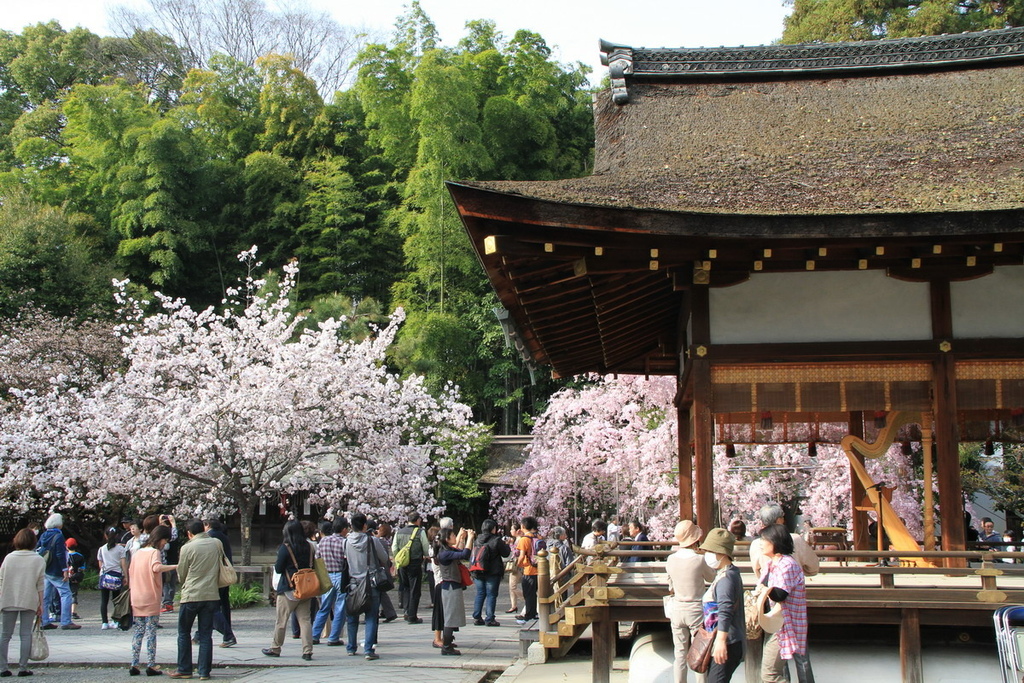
(785, 580)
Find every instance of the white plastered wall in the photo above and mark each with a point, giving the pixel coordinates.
(820, 307)
(990, 306)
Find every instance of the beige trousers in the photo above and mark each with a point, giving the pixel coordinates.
(515, 593)
(285, 607)
(686, 619)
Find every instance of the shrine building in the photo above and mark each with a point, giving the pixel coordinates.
(801, 235)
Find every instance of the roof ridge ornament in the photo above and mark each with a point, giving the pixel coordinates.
(619, 60)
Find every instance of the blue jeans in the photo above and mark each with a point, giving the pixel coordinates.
(188, 612)
(372, 619)
(222, 619)
(331, 603)
(54, 586)
(486, 589)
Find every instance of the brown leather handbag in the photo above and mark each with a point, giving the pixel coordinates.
(698, 657)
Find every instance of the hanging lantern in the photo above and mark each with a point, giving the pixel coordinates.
(766, 421)
(730, 450)
(880, 419)
(812, 449)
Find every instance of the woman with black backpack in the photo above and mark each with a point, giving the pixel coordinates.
(487, 566)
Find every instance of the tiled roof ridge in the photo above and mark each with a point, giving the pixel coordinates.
(629, 63)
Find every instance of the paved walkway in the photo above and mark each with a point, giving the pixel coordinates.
(92, 655)
(486, 651)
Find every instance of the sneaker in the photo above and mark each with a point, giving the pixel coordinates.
(371, 655)
(68, 627)
(167, 608)
(229, 643)
(114, 625)
(104, 626)
(520, 620)
(494, 622)
(270, 653)
(478, 622)
(352, 653)
(308, 656)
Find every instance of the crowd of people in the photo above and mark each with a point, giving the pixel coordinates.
(706, 592)
(144, 563)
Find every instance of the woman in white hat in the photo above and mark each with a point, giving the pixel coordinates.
(723, 605)
(687, 576)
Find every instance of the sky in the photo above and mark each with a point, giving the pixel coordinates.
(572, 27)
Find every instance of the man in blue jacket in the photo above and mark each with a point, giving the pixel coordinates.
(57, 572)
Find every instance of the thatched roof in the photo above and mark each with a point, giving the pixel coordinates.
(951, 141)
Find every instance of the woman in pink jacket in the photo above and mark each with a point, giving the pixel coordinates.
(145, 581)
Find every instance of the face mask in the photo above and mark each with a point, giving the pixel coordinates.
(712, 560)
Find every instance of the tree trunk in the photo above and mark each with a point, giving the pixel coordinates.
(245, 511)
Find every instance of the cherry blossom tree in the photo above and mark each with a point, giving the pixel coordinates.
(610, 446)
(607, 446)
(818, 488)
(220, 408)
(37, 347)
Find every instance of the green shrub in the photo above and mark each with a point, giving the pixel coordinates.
(91, 580)
(245, 595)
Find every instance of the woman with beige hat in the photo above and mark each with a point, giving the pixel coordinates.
(687, 576)
(723, 606)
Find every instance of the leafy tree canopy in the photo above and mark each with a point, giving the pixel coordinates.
(843, 20)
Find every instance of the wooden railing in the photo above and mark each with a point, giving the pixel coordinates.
(597, 590)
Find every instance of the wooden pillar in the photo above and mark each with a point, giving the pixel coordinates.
(685, 464)
(910, 646)
(927, 451)
(605, 636)
(544, 591)
(861, 540)
(944, 428)
(703, 421)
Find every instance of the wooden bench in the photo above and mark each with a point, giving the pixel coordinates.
(263, 573)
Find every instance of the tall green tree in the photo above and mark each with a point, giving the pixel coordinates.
(841, 20)
(48, 261)
(489, 108)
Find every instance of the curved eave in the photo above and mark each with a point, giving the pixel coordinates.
(489, 203)
(598, 289)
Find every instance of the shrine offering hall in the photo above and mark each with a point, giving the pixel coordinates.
(802, 235)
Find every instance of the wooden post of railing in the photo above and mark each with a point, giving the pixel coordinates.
(544, 591)
(910, 646)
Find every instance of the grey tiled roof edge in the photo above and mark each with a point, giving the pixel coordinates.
(681, 64)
